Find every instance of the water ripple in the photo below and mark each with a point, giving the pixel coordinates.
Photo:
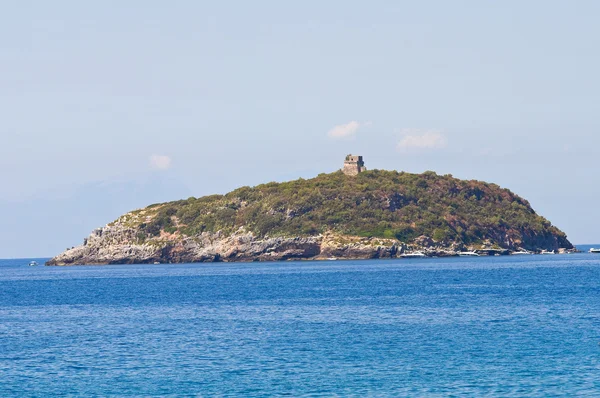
(470, 327)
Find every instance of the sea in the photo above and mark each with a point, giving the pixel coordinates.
(509, 326)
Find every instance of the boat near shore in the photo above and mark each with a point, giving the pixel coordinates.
(521, 253)
(468, 254)
(413, 255)
(547, 252)
(595, 251)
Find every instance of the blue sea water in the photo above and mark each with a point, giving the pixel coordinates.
(499, 326)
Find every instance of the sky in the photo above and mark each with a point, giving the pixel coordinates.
(108, 105)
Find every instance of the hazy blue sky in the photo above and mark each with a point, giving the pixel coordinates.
(112, 104)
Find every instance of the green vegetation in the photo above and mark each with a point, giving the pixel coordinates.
(375, 203)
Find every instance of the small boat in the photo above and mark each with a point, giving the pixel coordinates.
(413, 254)
(595, 251)
(521, 252)
(33, 263)
(467, 254)
(547, 252)
(331, 258)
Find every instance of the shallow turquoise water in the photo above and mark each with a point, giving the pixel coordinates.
(503, 326)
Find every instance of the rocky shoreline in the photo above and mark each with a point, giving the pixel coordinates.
(117, 244)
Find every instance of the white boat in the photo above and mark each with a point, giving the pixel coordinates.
(331, 258)
(467, 254)
(547, 252)
(595, 251)
(33, 263)
(413, 254)
(521, 252)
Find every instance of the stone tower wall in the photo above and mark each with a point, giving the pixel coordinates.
(353, 165)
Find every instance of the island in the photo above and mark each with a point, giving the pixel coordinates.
(353, 213)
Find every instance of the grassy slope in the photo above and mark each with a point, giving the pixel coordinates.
(375, 203)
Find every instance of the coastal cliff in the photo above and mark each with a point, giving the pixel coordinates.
(375, 214)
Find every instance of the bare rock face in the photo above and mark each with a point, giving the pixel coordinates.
(117, 244)
(424, 241)
(108, 245)
(335, 246)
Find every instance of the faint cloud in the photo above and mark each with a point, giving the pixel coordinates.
(346, 130)
(485, 151)
(160, 162)
(421, 139)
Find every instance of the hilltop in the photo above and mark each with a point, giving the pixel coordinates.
(369, 215)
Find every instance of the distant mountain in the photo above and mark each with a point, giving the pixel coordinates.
(373, 214)
(47, 223)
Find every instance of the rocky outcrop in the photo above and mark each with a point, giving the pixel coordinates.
(117, 244)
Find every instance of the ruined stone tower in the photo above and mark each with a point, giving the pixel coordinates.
(353, 165)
